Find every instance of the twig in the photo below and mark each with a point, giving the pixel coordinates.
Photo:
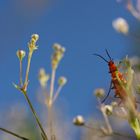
(123, 135)
(28, 68)
(35, 115)
(113, 133)
(20, 74)
(50, 103)
(102, 109)
(52, 86)
(57, 93)
(12, 133)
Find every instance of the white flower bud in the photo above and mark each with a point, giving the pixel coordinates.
(99, 93)
(35, 37)
(43, 77)
(79, 120)
(62, 81)
(21, 54)
(121, 25)
(57, 46)
(114, 104)
(108, 109)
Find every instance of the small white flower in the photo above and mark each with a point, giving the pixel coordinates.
(43, 77)
(79, 120)
(35, 37)
(121, 25)
(114, 104)
(21, 54)
(57, 55)
(62, 81)
(99, 93)
(108, 109)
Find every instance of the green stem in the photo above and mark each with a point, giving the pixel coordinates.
(35, 115)
(134, 123)
(12, 133)
(28, 68)
(137, 132)
(20, 74)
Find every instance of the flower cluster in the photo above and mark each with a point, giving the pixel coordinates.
(57, 55)
(32, 44)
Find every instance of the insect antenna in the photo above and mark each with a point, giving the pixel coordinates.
(100, 57)
(107, 93)
(108, 54)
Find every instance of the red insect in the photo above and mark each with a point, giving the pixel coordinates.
(116, 77)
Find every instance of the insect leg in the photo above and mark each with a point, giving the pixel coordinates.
(108, 92)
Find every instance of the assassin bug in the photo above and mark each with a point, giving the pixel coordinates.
(116, 77)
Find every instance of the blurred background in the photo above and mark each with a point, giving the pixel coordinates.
(83, 27)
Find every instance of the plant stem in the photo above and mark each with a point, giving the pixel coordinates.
(123, 135)
(134, 123)
(50, 116)
(50, 120)
(91, 128)
(35, 115)
(106, 120)
(28, 67)
(12, 133)
(50, 103)
(113, 133)
(102, 109)
(57, 93)
(132, 10)
(20, 73)
(52, 86)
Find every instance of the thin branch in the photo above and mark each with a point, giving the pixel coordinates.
(28, 68)
(57, 93)
(35, 115)
(13, 134)
(20, 74)
(102, 109)
(123, 135)
(113, 133)
(52, 86)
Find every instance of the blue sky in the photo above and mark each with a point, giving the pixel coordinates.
(82, 26)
